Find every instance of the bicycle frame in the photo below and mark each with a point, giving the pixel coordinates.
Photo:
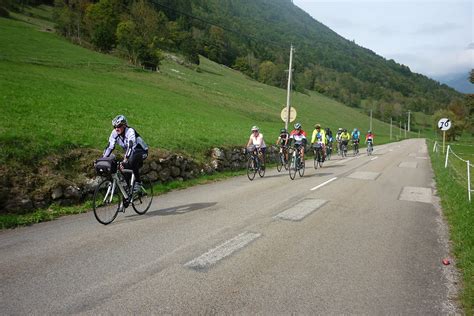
(117, 182)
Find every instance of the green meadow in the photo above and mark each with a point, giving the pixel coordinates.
(451, 184)
(56, 95)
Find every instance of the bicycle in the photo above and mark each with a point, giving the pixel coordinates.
(355, 146)
(282, 158)
(329, 150)
(114, 194)
(344, 148)
(254, 163)
(370, 147)
(318, 155)
(296, 163)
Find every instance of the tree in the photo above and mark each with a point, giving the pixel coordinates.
(101, 21)
(139, 36)
(69, 18)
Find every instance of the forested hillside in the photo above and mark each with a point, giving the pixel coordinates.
(254, 37)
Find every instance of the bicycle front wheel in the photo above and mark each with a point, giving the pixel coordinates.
(292, 168)
(280, 162)
(261, 170)
(142, 199)
(301, 168)
(107, 201)
(251, 168)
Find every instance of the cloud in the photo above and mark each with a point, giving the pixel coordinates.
(470, 46)
(436, 29)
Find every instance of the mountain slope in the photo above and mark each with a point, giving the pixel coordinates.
(57, 95)
(325, 61)
(459, 81)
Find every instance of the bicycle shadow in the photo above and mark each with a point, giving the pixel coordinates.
(322, 174)
(181, 209)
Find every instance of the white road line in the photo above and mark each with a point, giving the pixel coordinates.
(322, 184)
(224, 250)
(374, 158)
(301, 210)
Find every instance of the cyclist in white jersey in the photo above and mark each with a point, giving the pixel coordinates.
(257, 141)
(136, 150)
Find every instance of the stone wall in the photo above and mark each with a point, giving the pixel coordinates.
(38, 191)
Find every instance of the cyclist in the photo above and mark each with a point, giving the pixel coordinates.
(282, 141)
(369, 137)
(298, 137)
(319, 136)
(344, 138)
(355, 136)
(329, 141)
(338, 140)
(136, 150)
(257, 141)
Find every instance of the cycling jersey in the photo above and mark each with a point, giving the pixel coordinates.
(298, 137)
(322, 134)
(369, 137)
(130, 141)
(283, 139)
(345, 136)
(355, 135)
(257, 141)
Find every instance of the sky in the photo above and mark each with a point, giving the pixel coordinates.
(434, 38)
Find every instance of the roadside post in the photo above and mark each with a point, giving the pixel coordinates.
(288, 105)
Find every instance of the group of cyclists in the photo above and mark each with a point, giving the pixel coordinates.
(320, 138)
(136, 149)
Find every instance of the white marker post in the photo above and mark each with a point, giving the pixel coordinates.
(444, 124)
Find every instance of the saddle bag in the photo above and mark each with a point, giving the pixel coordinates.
(105, 166)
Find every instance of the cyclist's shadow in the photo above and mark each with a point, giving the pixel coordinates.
(180, 209)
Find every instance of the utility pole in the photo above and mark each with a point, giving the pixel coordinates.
(405, 130)
(400, 129)
(288, 106)
(409, 112)
(390, 128)
(370, 119)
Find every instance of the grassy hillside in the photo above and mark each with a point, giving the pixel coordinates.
(55, 95)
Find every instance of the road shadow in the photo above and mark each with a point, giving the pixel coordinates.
(175, 210)
(181, 209)
(323, 174)
(331, 166)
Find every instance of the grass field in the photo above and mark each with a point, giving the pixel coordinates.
(55, 95)
(451, 184)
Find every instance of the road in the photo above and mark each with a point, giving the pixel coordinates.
(362, 235)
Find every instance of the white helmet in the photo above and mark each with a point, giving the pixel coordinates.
(119, 120)
(255, 128)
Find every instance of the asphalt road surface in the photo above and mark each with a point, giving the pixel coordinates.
(362, 235)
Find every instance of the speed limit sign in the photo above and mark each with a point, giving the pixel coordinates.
(444, 124)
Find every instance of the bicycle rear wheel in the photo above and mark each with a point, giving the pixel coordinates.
(142, 199)
(251, 168)
(106, 202)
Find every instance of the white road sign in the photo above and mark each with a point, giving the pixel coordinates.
(444, 124)
(284, 114)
